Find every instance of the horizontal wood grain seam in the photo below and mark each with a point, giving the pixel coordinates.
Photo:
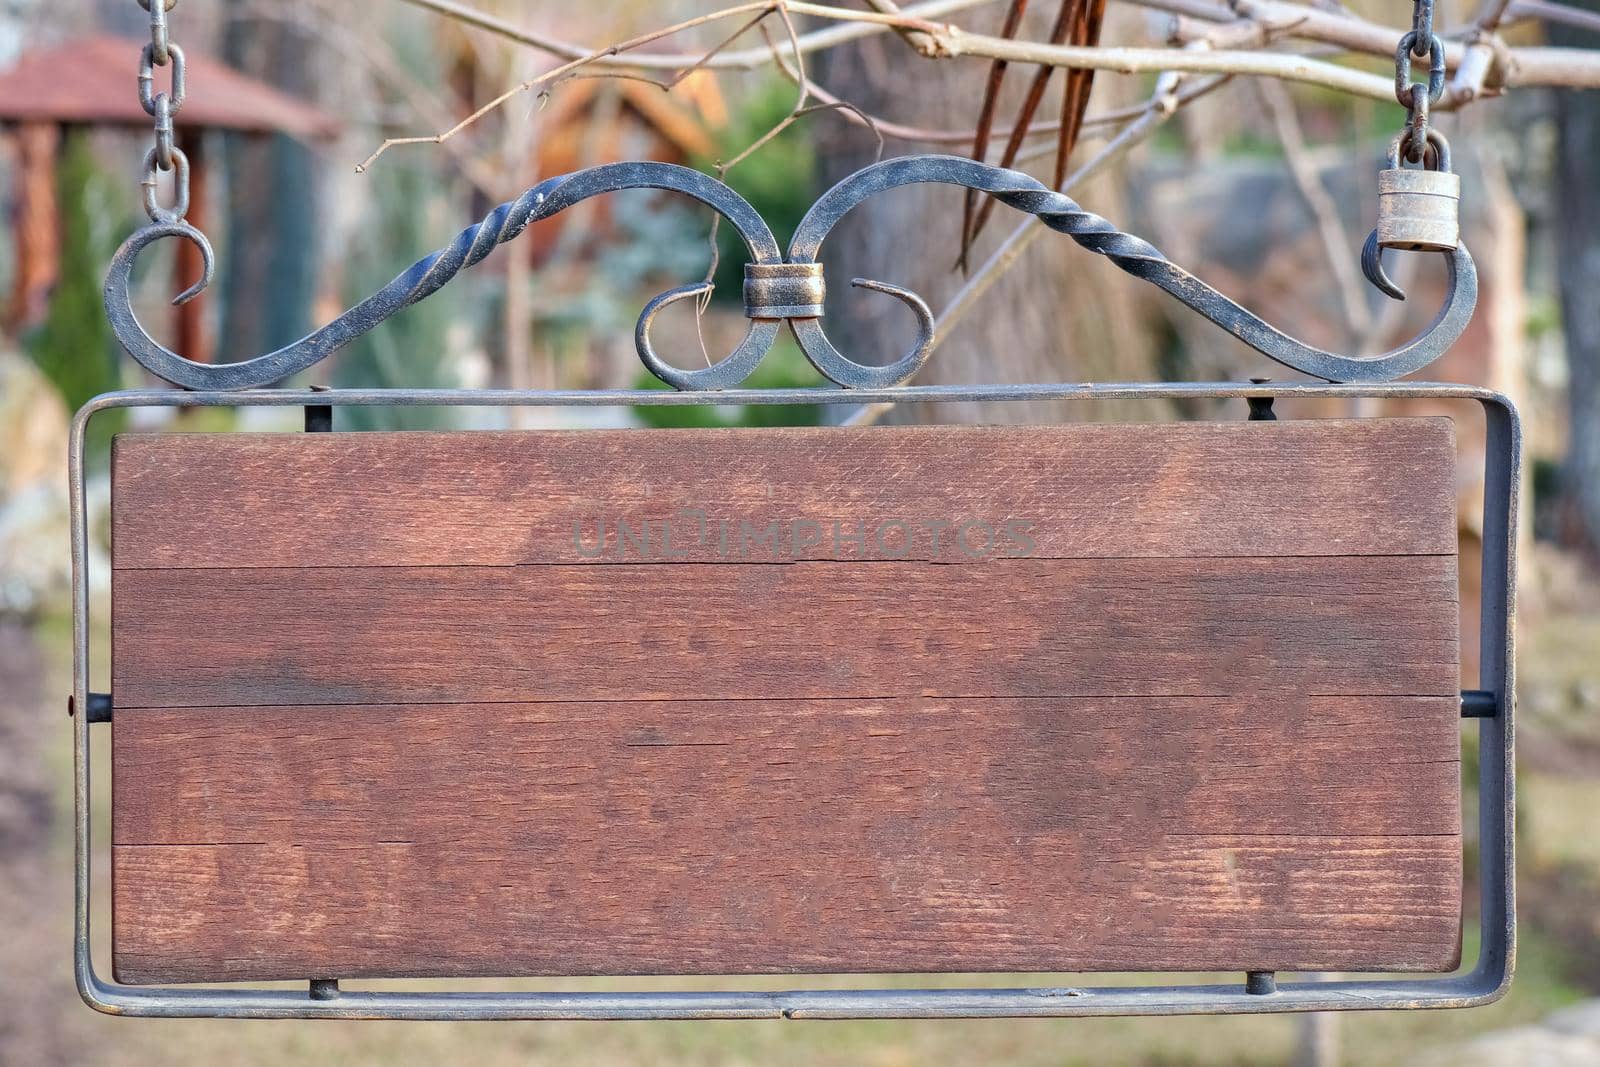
(993, 562)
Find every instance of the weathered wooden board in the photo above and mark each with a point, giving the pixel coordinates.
(380, 635)
(423, 499)
(378, 712)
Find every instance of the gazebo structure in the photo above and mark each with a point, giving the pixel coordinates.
(89, 81)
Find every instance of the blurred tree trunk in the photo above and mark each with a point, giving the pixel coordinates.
(1578, 270)
(1060, 314)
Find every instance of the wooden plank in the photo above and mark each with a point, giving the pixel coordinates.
(1375, 624)
(1324, 488)
(735, 836)
(379, 713)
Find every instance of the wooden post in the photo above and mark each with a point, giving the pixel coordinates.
(193, 339)
(37, 224)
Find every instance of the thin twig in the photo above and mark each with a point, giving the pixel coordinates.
(1195, 90)
(922, 135)
(971, 227)
(803, 86)
(986, 113)
(802, 108)
(555, 74)
(879, 129)
(1352, 293)
(383, 65)
(852, 26)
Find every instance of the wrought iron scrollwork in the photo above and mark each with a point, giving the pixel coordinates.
(429, 274)
(778, 288)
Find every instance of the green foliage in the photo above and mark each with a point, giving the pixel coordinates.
(409, 350)
(74, 347)
(408, 213)
(779, 179)
(1543, 316)
(785, 367)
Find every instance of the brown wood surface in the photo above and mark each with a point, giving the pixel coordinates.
(1311, 488)
(1196, 728)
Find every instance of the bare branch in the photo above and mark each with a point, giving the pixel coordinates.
(1161, 60)
(919, 41)
(1500, 66)
(1493, 13)
(1515, 67)
(1570, 68)
(853, 26)
(1545, 11)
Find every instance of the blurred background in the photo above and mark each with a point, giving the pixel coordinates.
(1265, 189)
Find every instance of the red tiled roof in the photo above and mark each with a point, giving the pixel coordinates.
(95, 80)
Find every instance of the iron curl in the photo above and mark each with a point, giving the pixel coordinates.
(778, 288)
(1133, 255)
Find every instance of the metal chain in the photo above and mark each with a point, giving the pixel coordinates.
(162, 106)
(1417, 97)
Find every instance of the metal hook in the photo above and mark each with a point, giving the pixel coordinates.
(119, 302)
(841, 370)
(1372, 267)
(208, 261)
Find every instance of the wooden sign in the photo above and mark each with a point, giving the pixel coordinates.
(1178, 697)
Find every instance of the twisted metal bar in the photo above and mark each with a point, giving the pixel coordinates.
(430, 273)
(777, 289)
(1132, 254)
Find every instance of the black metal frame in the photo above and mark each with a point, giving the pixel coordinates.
(1491, 704)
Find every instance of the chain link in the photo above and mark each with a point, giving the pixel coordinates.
(180, 188)
(161, 106)
(1417, 97)
(1421, 28)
